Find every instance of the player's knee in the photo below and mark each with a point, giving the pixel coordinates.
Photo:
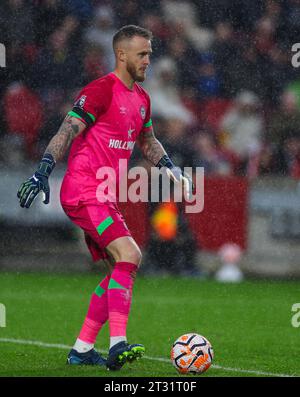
(125, 251)
(133, 255)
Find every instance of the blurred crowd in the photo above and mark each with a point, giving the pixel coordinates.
(225, 95)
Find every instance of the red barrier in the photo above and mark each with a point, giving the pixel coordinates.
(138, 221)
(225, 215)
(223, 220)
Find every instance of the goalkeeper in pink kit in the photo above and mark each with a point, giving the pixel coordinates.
(109, 115)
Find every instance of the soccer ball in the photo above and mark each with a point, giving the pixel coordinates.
(192, 353)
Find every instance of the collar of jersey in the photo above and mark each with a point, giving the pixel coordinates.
(117, 78)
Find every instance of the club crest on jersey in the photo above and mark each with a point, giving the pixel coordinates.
(143, 112)
(80, 102)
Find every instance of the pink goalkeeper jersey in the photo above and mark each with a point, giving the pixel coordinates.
(115, 116)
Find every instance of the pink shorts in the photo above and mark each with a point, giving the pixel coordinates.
(101, 223)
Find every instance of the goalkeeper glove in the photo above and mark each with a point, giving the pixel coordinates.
(176, 175)
(37, 183)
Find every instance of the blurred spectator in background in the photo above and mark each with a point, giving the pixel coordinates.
(264, 35)
(182, 17)
(49, 15)
(243, 13)
(49, 71)
(57, 70)
(94, 63)
(24, 116)
(172, 247)
(274, 11)
(243, 128)
(16, 22)
(273, 57)
(154, 22)
(229, 271)
(209, 13)
(100, 33)
(212, 112)
(82, 10)
(184, 56)
(213, 159)
(288, 156)
(249, 71)
(224, 50)
(177, 141)
(279, 72)
(284, 135)
(209, 82)
(168, 103)
(128, 12)
(292, 18)
(285, 120)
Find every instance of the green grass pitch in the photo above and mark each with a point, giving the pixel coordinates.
(249, 324)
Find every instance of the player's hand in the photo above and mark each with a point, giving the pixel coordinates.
(177, 176)
(32, 187)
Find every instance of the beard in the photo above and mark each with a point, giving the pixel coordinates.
(131, 69)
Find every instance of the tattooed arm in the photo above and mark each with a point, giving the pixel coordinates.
(150, 146)
(70, 128)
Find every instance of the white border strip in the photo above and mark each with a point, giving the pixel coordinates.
(165, 360)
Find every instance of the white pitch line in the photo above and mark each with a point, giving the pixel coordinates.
(164, 360)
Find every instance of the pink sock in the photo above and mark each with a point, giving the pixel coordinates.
(119, 295)
(97, 313)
